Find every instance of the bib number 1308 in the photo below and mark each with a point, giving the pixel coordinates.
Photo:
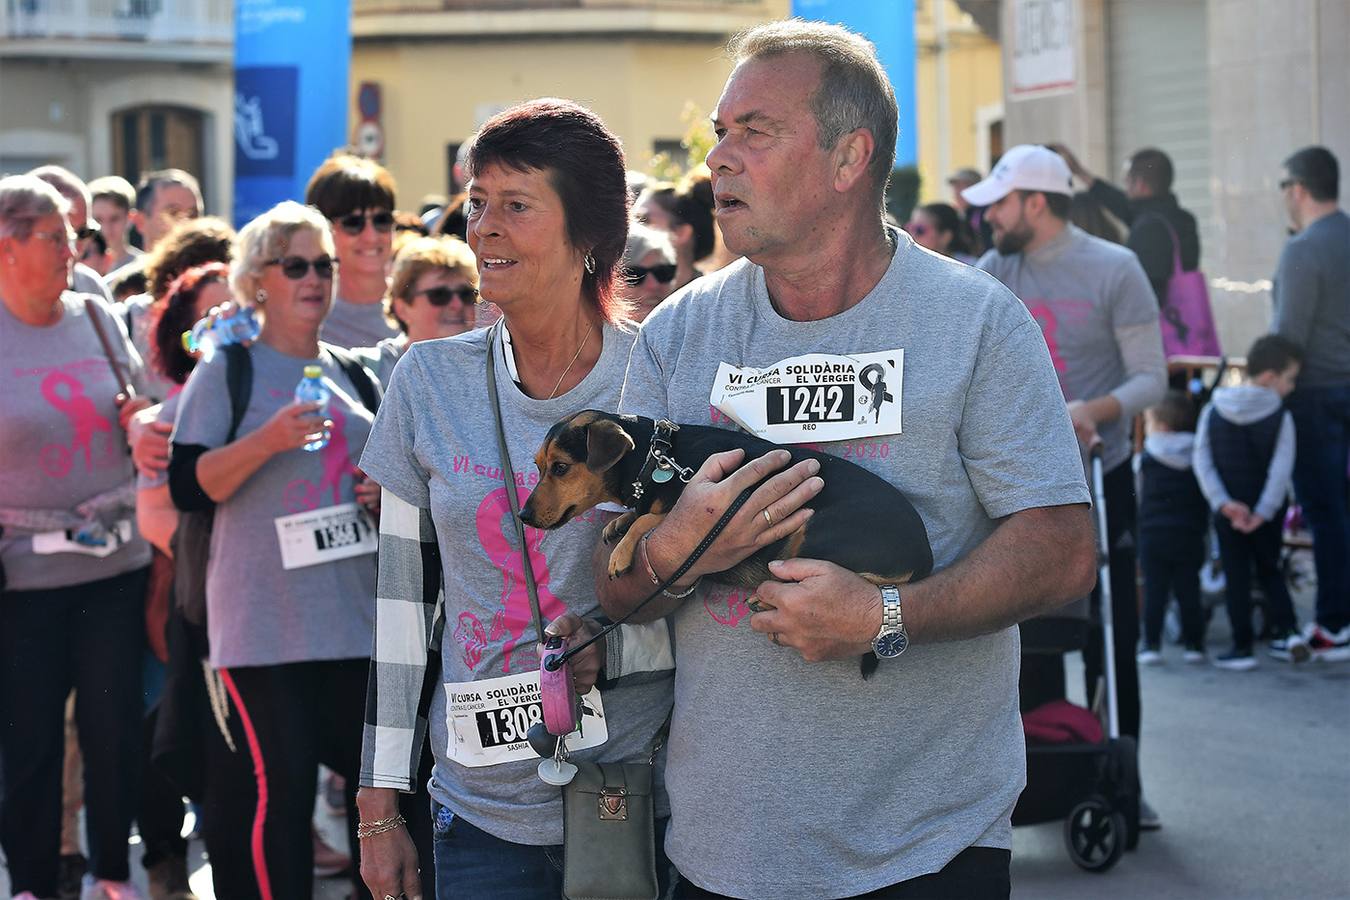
(809, 403)
(508, 724)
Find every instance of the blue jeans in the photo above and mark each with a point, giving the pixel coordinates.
(1322, 425)
(474, 865)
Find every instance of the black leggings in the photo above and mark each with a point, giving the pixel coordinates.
(89, 637)
(284, 721)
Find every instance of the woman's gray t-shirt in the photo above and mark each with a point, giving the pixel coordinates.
(434, 445)
(258, 612)
(356, 324)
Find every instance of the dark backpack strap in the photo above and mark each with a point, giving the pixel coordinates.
(358, 375)
(239, 382)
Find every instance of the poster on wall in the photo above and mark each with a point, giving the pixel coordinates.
(1043, 47)
(289, 56)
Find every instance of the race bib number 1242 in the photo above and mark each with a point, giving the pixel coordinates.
(816, 397)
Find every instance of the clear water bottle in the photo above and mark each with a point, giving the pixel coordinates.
(206, 335)
(311, 390)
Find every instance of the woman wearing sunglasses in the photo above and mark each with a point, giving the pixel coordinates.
(940, 228)
(431, 295)
(291, 578)
(649, 268)
(356, 195)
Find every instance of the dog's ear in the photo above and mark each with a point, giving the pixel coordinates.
(606, 443)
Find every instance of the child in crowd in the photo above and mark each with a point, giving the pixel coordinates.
(1173, 522)
(1244, 455)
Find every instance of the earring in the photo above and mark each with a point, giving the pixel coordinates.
(261, 297)
(589, 262)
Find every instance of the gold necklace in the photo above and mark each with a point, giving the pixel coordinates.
(576, 356)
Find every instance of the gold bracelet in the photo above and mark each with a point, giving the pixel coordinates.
(379, 826)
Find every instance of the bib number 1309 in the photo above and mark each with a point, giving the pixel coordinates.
(809, 403)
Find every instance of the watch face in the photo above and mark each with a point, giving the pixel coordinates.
(891, 644)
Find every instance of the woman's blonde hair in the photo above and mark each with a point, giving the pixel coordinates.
(267, 237)
(425, 254)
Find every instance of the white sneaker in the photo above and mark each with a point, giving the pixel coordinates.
(1327, 646)
(1195, 657)
(1149, 657)
(92, 888)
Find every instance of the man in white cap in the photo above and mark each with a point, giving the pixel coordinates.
(1100, 320)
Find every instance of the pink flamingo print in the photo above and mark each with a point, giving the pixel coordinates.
(303, 495)
(85, 422)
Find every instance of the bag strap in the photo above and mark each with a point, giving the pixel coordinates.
(119, 373)
(1176, 242)
(239, 383)
(494, 335)
(359, 377)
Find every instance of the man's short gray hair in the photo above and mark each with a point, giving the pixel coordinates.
(71, 186)
(643, 240)
(23, 200)
(854, 91)
(267, 237)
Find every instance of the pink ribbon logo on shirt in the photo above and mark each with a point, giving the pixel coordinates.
(66, 394)
(303, 495)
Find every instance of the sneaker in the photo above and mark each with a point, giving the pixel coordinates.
(92, 888)
(329, 861)
(1148, 817)
(1289, 648)
(69, 874)
(1327, 646)
(1195, 656)
(1149, 656)
(1239, 659)
(169, 879)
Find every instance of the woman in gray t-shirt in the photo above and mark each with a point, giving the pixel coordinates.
(72, 567)
(290, 584)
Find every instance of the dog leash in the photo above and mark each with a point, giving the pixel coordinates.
(556, 661)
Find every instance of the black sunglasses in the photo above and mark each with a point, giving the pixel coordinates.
(441, 296)
(297, 267)
(635, 275)
(355, 223)
(88, 231)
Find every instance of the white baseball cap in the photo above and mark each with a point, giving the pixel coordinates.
(1026, 167)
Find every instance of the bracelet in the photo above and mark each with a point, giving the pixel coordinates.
(651, 573)
(379, 826)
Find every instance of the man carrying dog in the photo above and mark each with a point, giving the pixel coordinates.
(789, 775)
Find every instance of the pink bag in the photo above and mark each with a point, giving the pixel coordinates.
(1186, 318)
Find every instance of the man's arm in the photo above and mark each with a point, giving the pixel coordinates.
(1295, 294)
(1035, 561)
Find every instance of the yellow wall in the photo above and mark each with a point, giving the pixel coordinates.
(974, 71)
(436, 92)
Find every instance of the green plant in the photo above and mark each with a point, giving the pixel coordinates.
(697, 140)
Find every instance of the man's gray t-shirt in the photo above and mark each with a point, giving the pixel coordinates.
(796, 780)
(1312, 300)
(60, 439)
(356, 324)
(137, 313)
(1088, 295)
(434, 445)
(258, 612)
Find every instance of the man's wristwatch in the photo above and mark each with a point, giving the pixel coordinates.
(892, 639)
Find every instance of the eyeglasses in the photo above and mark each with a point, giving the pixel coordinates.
(635, 275)
(297, 267)
(917, 229)
(355, 223)
(56, 238)
(441, 296)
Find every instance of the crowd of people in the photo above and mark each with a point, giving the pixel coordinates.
(215, 585)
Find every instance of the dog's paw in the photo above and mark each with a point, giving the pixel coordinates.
(620, 564)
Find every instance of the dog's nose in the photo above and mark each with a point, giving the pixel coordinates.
(527, 517)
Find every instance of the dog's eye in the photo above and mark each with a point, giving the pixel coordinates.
(558, 469)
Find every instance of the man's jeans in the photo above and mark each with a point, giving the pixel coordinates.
(1322, 425)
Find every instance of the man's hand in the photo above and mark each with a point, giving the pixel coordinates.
(1084, 423)
(1075, 166)
(128, 407)
(149, 440)
(587, 664)
(1236, 513)
(713, 489)
(821, 610)
(388, 860)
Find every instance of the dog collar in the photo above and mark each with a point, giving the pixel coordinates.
(660, 466)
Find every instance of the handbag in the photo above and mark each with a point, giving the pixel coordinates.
(609, 841)
(1187, 319)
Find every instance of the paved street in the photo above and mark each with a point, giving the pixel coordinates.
(1249, 771)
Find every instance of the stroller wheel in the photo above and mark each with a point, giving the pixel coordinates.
(1095, 835)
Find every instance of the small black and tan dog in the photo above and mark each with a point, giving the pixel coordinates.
(861, 522)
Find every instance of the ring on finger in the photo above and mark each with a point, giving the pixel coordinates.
(768, 516)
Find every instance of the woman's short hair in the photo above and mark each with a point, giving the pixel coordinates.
(177, 314)
(584, 162)
(23, 200)
(267, 237)
(420, 256)
(643, 240)
(946, 218)
(345, 184)
(191, 243)
(690, 203)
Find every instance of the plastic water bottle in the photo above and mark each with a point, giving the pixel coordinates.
(206, 335)
(311, 390)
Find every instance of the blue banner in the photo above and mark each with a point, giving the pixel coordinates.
(890, 26)
(291, 62)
